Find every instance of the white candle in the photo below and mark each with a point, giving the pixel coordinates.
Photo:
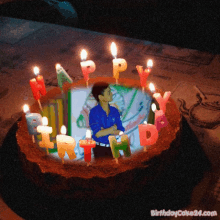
(45, 131)
(65, 143)
(119, 64)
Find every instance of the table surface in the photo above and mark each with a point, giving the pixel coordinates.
(25, 44)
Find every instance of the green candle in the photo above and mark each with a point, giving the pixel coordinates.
(123, 145)
(151, 115)
(62, 76)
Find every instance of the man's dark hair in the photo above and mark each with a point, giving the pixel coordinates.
(98, 89)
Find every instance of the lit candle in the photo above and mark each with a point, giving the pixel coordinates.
(160, 118)
(86, 66)
(38, 86)
(87, 144)
(161, 100)
(151, 116)
(33, 120)
(144, 73)
(123, 145)
(144, 140)
(45, 132)
(62, 76)
(119, 64)
(65, 144)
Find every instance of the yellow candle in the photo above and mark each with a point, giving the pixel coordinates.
(119, 64)
(45, 132)
(65, 144)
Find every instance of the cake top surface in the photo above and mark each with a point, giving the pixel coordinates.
(133, 106)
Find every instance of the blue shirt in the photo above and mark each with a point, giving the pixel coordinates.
(98, 119)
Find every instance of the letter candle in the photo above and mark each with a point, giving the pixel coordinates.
(123, 145)
(65, 144)
(86, 66)
(38, 86)
(144, 73)
(62, 76)
(87, 144)
(160, 118)
(161, 100)
(33, 120)
(119, 64)
(45, 131)
(143, 129)
(151, 115)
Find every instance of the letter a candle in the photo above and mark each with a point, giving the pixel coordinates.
(123, 145)
(38, 86)
(87, 144)
(62, 76)
(144, 73)
(144, 140)
(119, 64)
(86, 66)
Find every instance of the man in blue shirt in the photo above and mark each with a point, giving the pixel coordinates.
(104, 119)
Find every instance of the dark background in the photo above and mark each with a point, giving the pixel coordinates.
(184, 23)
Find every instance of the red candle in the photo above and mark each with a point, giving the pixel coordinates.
(86, 66)
(143, 129)
(87, 145)
(162, 100)
(144, 73)
(37, 85)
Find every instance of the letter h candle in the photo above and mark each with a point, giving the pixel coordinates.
(123, 145)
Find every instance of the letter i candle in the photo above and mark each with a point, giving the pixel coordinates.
(87, 144)
(123, 145)
(143, 129)
(144, 73)
(38, 86)
(33, 120)
(45, 131)
(119, 64)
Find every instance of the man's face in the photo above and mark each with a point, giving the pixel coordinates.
(107, 95)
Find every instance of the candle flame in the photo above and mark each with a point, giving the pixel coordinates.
(83, 55)
(36, 70)
(149, 63)
(152, 88)
(58, 66)
(114, 50)
(88, 134)
(153, 107)
(45, 121)
(145, 122)
(121, 133)
(25, 108)
(63, 129)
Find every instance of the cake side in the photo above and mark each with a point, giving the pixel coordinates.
(74, 179)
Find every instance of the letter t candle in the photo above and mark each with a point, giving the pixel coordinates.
(87, 144)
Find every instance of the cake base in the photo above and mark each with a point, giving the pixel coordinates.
(104, 179)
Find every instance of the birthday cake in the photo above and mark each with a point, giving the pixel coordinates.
(104, 178)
